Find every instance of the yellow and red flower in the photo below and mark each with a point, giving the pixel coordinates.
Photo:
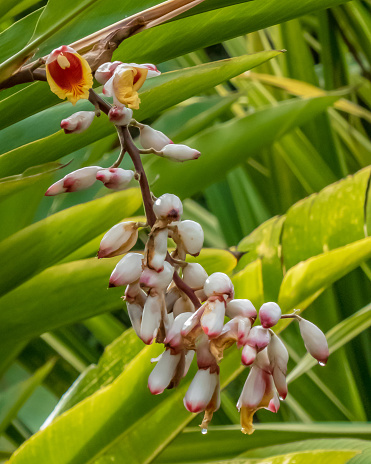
(68, 74)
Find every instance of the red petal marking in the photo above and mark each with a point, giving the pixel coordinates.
(68, 78)
(137, 76)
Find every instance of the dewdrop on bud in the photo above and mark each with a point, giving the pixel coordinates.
(191, 235)
(168, 207)
(314, 340)
(115, 178)
(269, 314)
(127, 270)
(258, 338)
(194, 275)
(218, 284)
(119, 239)
(105, 71)
(151, 138)
(158, 280)
(74, 181)
(78, 122)
(120, 115)
(242, 308)
(201, 390)
(179, 152)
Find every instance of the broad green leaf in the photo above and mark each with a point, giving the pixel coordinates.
(14, 397)
(46, 242)
(158, 95)
(214, 260)
(338, 336)
(220, 153)
(248, 283)
(306, 280)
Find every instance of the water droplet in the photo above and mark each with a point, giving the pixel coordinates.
(322, 363)
(204, 431)
(282, 399)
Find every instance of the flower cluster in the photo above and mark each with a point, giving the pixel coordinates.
(170, 301)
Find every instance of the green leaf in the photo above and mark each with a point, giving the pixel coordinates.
(44, 243)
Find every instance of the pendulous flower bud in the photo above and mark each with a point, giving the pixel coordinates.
(168, 207)
(120, 115)
(269, 314)
(164, 371)
(127, 270)
(135, 312)
(153, 312)
(218, 284)
(314, 340)
(158, 280)
(278, 359)
(179, 152)
(258, 338)
(115, 178)
(194, 275)
(242, 308)
(74, 181)
(119, 239)
(248, 355)
(151, 138)
(212, 319)
(191, 236)
(156, 249)
(77, 122)
(201, 390)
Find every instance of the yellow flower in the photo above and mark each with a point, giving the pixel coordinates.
(68, 74)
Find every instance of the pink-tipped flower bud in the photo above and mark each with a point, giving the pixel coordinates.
(135, 312)
(74, 181)
(105, 71)
(115, 178)
(127, 270)
(243, 330)
(158, 280)
(314, 340)
(157, 249)
(218, 284)
(194, 275)
(258, 338)
(120, 115)
(164, 371)
(191, 236)
(151, 138)
(278, 359)
(179, 152)
(269, 314)
(119, 239)
(242, 308)
(201, 390)
(78, 122)
(274, 404)
(154, 309)
(254, 389)
(168, 207)
(174, 337)
(212, 320)
(248, 355)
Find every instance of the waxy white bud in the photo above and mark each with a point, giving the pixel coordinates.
(258, 338)
(212, 320)
(127, 270)
(242, 308)
(119, 239)
(188, 361)
(120, 115)
(179, 152)
(183, 305)
(151, 138)
(194, 275)
(105, 71)
(158, 280)
(157, 249)
(191, 235)
(274, 404)
(78, 122)
(173, 337)
(244, 327)
(74, 181)
(168, 207)
(253, 390)
(219, 284)
(193, 321)
(248, 355)
(135, 312)
(201, 390)
(278, 358)
(314, 340)
(153, 312)
(269, 314)
(164, 371)
(115, 178)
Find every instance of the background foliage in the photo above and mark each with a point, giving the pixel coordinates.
(281, 190)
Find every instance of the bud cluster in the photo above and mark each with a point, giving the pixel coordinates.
(170, 301)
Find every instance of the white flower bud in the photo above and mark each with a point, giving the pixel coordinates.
(183, 305)
(105, 71)
(120, 115)
(212, 319)
(188, 361)
(135, 312)
(179, 152)
(119, 239)
(127, 270)
(253, 390)
(274, 404)
(115, 178)
(168, 207)
(248, 355)
(151, 138)
(314, 340)
(242, 308)
(173, 337)
(218, 284)
(201, 390)
(278, 359)
(194, 275)
(193, 321)
(74, 181)
(269, 314)
(78, 122)
(153, 311)
(191, 236)
(164, 371)
(158, 280)
(244, 327)
(258, 338)
(157, 249)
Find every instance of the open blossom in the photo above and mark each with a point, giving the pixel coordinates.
(74, 181)
(68, 74)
